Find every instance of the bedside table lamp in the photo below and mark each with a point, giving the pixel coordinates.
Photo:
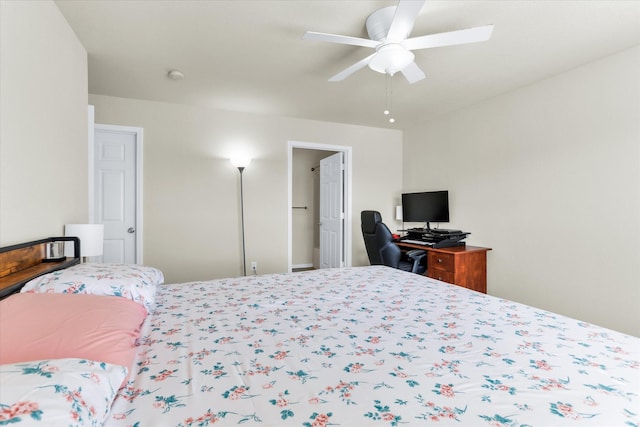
(399, 213)
(91, 238)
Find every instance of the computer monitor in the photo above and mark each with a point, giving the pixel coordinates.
(427, 206)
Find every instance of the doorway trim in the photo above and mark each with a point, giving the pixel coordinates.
(138, 132)
(347, 229)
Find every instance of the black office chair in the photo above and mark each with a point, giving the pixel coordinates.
(382, 250)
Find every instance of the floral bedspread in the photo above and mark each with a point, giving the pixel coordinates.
(371, 346)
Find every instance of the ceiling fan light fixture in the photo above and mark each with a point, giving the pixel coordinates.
(391, 58)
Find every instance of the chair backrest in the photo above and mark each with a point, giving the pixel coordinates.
(378, 240)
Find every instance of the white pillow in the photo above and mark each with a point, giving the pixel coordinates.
(58, 392)
(135, 282)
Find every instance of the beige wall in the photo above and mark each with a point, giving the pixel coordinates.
(549, 177)
(43, 123)
(191, 207)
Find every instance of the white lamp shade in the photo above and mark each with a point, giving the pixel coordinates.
(398, 213)
(91, 237)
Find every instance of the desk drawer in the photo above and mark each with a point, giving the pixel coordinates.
(444, 276)
(441, 262)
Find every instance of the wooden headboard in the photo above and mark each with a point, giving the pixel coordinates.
(24, 261)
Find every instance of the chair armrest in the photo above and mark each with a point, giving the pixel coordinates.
(416, 254)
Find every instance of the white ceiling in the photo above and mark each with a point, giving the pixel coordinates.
(249, 55)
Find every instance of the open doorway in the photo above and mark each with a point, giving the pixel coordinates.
(307, 244)
(305, 212)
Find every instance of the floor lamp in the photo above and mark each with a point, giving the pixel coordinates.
(241, 163)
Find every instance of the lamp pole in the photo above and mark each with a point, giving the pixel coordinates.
(244, 260)
(242, 162)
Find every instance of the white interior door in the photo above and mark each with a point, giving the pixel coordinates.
(115, 192)
(331, 211)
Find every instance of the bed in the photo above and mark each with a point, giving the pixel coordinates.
(361, 346)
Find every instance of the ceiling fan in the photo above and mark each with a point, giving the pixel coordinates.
(388, 30)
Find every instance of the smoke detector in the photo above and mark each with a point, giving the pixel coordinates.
(175, 75)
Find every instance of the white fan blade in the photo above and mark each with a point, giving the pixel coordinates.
(470, 35)
(413, 73)
(404, 18)
(352, 69)
(334, 38)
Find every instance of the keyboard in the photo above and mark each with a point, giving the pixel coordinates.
(417, 242)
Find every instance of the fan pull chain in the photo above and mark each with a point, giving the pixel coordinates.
(388, 95)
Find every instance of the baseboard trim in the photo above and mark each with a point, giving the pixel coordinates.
(293, 267)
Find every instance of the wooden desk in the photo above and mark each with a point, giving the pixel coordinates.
(464, 266)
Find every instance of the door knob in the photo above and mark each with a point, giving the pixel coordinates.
(131, 230)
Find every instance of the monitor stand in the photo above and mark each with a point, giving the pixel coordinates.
(427, 229)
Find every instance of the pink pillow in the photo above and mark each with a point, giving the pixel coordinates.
(57, 326)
